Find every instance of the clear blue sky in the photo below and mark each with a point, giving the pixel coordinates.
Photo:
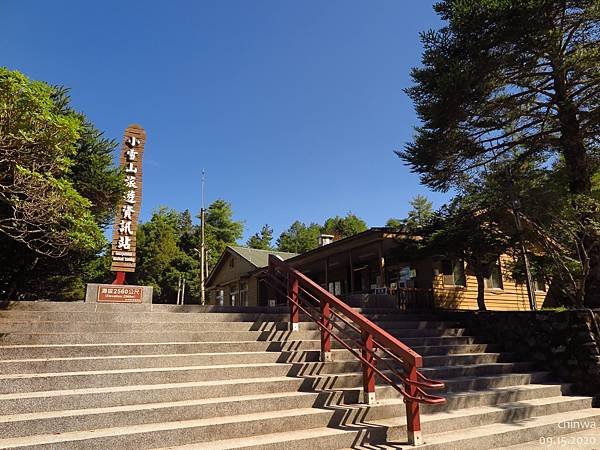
(293, 108)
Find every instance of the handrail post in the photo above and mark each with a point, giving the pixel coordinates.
(413, 419)
(294, 309)
(325, 333)
(368, 372)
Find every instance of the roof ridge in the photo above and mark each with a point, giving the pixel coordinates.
(260, 249)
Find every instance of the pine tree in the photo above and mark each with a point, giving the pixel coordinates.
(513, 80)
(262, 240)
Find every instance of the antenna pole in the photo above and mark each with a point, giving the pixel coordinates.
(202, 248)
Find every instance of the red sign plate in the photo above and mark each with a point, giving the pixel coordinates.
(119, 294)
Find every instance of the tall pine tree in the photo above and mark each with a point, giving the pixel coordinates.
(513, 80)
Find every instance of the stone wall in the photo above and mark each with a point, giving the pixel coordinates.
(565, 342)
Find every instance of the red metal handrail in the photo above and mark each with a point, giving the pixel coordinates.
(373, 338)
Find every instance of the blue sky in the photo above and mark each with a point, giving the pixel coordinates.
(293, 108)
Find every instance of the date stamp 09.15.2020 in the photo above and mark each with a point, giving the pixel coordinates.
(575, 434)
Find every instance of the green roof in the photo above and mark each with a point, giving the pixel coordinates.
(259, 258)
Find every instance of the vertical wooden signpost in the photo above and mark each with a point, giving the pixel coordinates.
(123, 257)
(126, 221)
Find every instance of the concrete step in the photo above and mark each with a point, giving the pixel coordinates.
(249, 425)
(132, 415)
(470, 398)
(153, 337)
(175, 433)
(119, 313)
(466, 358)
(19, 352)
(577, 440)
(110, 396)
(460, 419)
(46, 422)
(451, 349)
(126, 336)
(76, 364)
(318, 438)
(476, 370)
(48, 326)
(435, 372)
(356, 436)
(521, 427)
(79, 306)
(78, 375)
(120, 316)
(129, 377)
(80, 364)
(11, 352)
(348, 368)
(458, 384)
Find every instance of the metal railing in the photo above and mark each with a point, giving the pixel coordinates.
(415, 298)
(368, 342)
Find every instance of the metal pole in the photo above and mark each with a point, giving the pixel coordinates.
(528, 277)
(516, 210)
(202, 259)
(183, 292)
(207, 253)
(202, 248)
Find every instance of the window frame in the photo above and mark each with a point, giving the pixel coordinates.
(454, 263)
(243, 291)
(487, 281)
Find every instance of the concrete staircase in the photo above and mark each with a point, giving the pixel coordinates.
(85, 376)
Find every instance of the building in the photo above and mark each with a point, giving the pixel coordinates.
(374, 268)
(235, 279)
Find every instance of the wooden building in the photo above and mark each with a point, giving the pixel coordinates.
(234, 281)
(372, 269)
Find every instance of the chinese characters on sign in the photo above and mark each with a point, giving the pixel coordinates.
(121, 294)
(123, 243)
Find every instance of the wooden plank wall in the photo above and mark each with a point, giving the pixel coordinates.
(512, 296)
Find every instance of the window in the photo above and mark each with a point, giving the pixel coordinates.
(243, 294)
(233, 297)
(539, 283)
(453, 271)
(231, 262)
(335, 287)
(494, 281)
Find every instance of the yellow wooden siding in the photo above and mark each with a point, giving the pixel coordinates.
(512, 296)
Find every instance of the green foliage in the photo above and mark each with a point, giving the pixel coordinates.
(343, 227)
(93, 174)
(501, 78)
(263, 240)
(470, 228)
(166, 250)
(221, 230)
(395, 223)
(299, 238)
(39, 207)
(58, 187)
(420, 213)
(511, 82)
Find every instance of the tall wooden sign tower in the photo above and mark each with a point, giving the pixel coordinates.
(126, 221)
